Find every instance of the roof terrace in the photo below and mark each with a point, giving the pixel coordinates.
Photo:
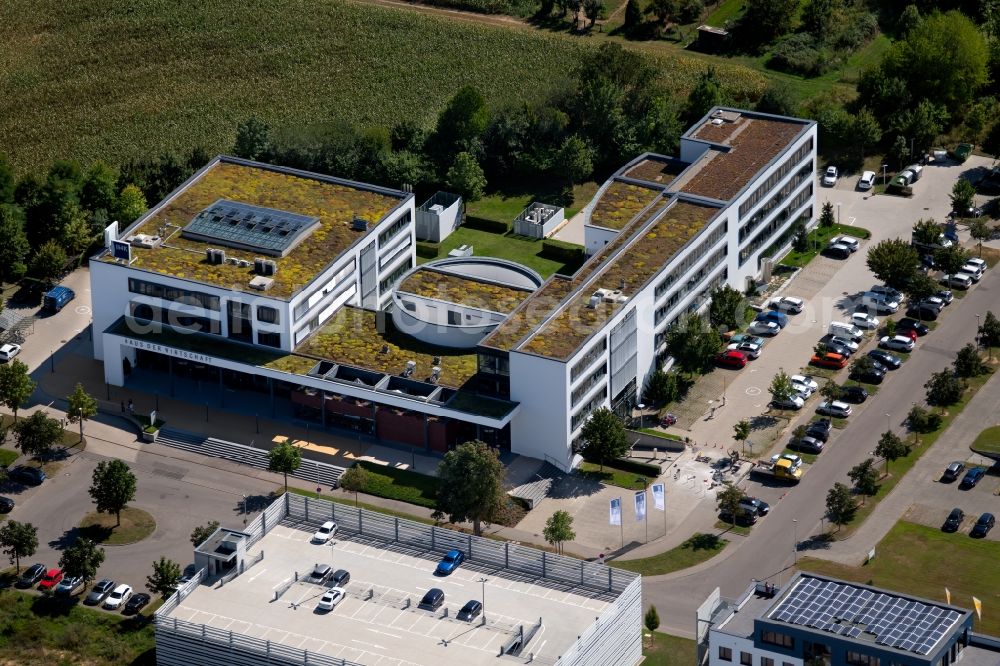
(655, 169)
(619, 203)
(463, 290)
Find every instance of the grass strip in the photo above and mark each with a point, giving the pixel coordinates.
(698, 548)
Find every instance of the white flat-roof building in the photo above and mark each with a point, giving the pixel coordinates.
(305, 289)
(252, 602)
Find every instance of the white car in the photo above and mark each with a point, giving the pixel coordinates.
(805, 380)
(867, 180)
(830, 176)
(118, 597)
(972, 270)
(326, 532)
(957, 280)
(896, 343)
(751, 349)
(851, 242)
(794, 402)
(865, 321)
(331, 598)
(763, 328)
(978, 263)
(788, 304)
(834, 408)
(803, 390)
(9, 351)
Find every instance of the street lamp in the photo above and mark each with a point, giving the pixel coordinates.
(887, 426)
(884, 167)
(838, 212)
(484, 581)
(795, 540)
(979, 328)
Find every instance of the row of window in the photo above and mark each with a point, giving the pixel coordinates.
(707, 244)
(344, 274)
(696, 303)
(585, 411)
(786, 190)
(394, 276)
(709, 266)
(154, 290)
(776, 223)
(146, 314)
(746, 658)
(775, 178)
(588, 359)
(597, 376)
(394, 228)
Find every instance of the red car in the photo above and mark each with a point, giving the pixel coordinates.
(51, 579)
(829, 360)
(908, 332)
(731, 358)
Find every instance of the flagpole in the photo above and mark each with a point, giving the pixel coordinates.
(621, 522)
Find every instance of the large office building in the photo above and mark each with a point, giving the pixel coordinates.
(815, 620)
(304, 291)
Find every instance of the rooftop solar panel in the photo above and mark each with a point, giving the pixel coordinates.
(244, 226)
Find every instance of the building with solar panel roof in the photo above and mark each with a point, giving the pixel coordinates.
(825, 621)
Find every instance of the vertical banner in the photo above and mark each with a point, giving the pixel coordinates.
(947, 595)
(658, 501)
(616, 511)
(640, 506)
(978, 605)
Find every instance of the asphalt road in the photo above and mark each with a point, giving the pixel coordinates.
(769, 551)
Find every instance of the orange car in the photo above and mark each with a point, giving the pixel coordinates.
(829, 360)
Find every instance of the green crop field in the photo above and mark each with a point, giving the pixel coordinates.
(87, 80)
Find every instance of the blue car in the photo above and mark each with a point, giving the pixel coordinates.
(452, 560)
(972, 477)
(778, 318)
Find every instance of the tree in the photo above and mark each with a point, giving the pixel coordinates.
(926, 232)
(978, 229)
(603, 436)
(253, 139)
(781, 386)
(728, 309)
(112, 487)
(354, 480)
(80, 407)
(16, 386)
(471, 485)
(817, 17)
(665, 11)
(765, 20)
(920, 420)
(131, 204)
(968, 362)
(14, 246)
(651, 619)
(800, 239)
(575, 159)
(962, 195)
(49, 261)
(920, 287)
(741, 432)
(466, 177)
(893, 261)
(778, 98)
(859, 366)
(633, 15)
(866, 130)
(830, 390)
(202, 532)
(707, 93)
(37, 434)
(594, 9)
(991, 144)
(891, 447)
(165, 577)
(951, 259)
(840, 505)
(900, 151)
(662, 387)
(460, 124)
(99, 188)
(559, 529)
(943, 389)
(728, 500)
(989, 332)
(827, 218)
(284, 458)
(922, 124)
(82, 559)
(7, 180)
(693, 343)
(865, 478)
(908, 19)
(18, 540)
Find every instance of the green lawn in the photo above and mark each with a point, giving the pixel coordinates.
(7, 457)
(401, 484)
(666, 650)
(818, 239)
(922, 561)
(347, 498)
(726, 11)
(988, 440)
(505, 246)
(613, 477)
(662, 435)
(505, 206)
(698, 548)
(135, 526)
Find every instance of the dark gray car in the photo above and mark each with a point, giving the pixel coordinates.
(100, 592)
(319, 574)
(806, 444)
(340, 578)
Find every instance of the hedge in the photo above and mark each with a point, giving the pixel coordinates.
(636, 467)
(561, 250)
(400, 484)
(428, 250)
(490, 226)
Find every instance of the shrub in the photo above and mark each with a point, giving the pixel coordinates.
(401, 484)
(561, 250)
(800, 54)
(428, 250)
(490, 226)
(635, 467)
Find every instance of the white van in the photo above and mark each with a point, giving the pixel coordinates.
(845, 330)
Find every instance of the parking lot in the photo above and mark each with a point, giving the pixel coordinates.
(378, 622)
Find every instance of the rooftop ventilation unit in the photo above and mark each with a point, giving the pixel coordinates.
(144, 240)
(359, 224)
(215, 257)
(410, 367)
(594, 300)
(262, 266)
(234, 261)
(261, 283)
(385, 349)
(717, 121)
(437, 361)
(609, 296)
(435, 374)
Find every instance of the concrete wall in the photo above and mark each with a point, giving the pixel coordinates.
(435, 226)
(541, 427)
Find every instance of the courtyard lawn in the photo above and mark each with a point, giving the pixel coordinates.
(525, 251)
(666, 650)
(698, 548)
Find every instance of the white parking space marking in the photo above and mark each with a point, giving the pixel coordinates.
(254, 577)
(377, 647)
(383, 633)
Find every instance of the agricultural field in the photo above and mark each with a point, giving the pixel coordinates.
(82, 80)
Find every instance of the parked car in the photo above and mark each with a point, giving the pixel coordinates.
(743, 337)
(331, 598)
(908, 333)
(842, 329)
(29, 476)
(983, 526)
(118, 597)
(932, 302)
(806, 444)
(897, 343)
(887, 291)
(452, 560)
(853, 394)
(188, 574)
(6, 505)
(953, 521)
(319, 574)
(340, 578)
(99, 592)
(778, 318)
(867, 180)
(922, 311)
(788, 304)
(805, 380)
(31, 575)
(871, 374)
(749, 348)
(69, 586)
(830, 176)
(956, 280)
(326, 532)
(974, 271)
(753, 504)
(864, 321)
(909, 324)
(888, 361)
(432, 600)
(470, 611)
(768, 328)
(794, 402)
(946, 296)
(953, 471)
(978, 263)
(820, 429)
(731, 358)
(743, 518)
(836, 347)
(829, 360)
(805, 390)
(972, 477)
(879, 303)
(834, 408)
(136, 603)
(851, 242)
(837, 251)
(9, 351)
(51, 579)
(849, 344)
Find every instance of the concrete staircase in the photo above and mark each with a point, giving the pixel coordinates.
(538, 488)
